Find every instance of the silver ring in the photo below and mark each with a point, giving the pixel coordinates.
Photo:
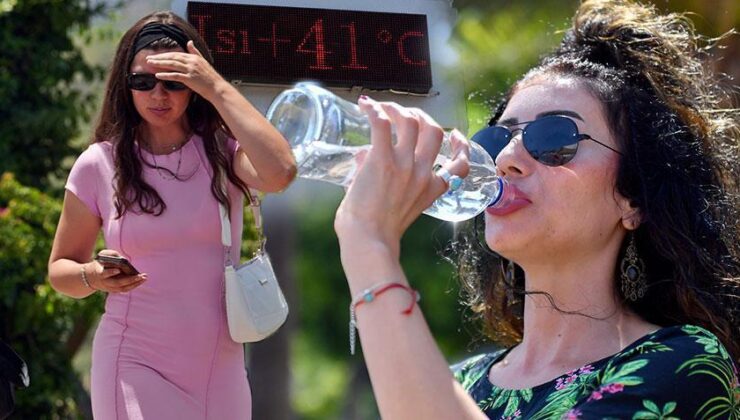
(444, 174)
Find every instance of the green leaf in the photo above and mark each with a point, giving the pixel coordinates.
(644, 415)
(669, 407)
(651, 406)
(526, 394)
(630, 380)
(624, 370)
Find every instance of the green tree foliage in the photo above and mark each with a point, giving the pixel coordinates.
(324, 301)
(323, 288)
(44, 327)
(498, 41)
(43, 78)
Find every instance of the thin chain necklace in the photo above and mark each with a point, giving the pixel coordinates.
(163, 174)
(166, 173)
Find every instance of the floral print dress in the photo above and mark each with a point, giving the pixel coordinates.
(678, 372)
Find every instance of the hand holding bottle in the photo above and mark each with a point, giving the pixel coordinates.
(327, 134)
(396, 181)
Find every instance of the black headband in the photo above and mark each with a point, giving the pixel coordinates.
(155, 31)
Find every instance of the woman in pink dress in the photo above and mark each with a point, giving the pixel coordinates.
(172, 131)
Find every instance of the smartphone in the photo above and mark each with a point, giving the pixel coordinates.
(121, 263)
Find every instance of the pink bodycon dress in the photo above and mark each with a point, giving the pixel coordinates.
(162, 351)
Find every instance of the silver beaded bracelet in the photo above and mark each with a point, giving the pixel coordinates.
(84, 277)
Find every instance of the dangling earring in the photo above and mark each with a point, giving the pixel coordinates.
(633, 273)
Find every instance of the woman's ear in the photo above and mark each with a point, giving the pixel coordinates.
(631, 215)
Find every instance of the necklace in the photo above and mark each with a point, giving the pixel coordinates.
(171, 148)
(166, 173)
(171, 175)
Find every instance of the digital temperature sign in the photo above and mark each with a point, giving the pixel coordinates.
(342, 48)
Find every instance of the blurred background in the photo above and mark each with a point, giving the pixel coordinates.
(53, 60)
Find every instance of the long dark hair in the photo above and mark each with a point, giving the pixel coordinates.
(681, 168)
(119, 121)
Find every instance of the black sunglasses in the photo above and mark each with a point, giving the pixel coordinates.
(551, 140)
(147, 81)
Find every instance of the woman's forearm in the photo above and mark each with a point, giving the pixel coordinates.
(268, 152)
(410, 377)
(65, 276)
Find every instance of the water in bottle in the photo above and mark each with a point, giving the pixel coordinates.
(326, 133)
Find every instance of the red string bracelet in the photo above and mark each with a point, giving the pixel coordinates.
(368, 295)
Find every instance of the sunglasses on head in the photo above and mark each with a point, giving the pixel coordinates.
(147, 81)
(551, 140)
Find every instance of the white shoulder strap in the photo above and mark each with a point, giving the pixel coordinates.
(226, 224)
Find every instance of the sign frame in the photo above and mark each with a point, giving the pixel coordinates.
(444, 101)
(340, 48)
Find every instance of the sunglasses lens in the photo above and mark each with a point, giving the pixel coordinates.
(141, 81)
(172, 85)
(492, 139)
(552, 140)
(145, 81)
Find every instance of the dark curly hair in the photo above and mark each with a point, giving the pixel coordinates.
(119, 121)
(680, 168)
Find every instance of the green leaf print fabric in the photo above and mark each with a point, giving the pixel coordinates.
(677, 372)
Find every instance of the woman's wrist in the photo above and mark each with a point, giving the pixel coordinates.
(87, 277)
(358, 245)
(218, 90)
(367, 262)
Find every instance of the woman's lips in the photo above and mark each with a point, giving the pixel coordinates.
(516, 200)
(159, 111)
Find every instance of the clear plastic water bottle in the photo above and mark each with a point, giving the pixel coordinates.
(326, 133)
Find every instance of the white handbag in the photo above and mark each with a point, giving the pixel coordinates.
(255, 305)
